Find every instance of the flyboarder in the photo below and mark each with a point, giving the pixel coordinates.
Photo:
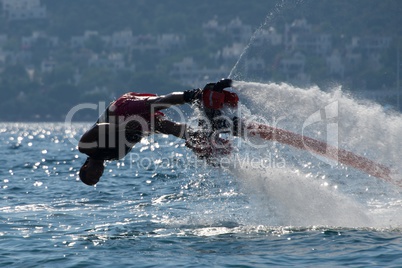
(135, 115)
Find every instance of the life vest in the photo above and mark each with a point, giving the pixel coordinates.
(132, 103)
(131, 116)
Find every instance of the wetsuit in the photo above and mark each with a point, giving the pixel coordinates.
(120, 127)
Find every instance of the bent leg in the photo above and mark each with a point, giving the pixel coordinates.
(104, 141)
(94, 138)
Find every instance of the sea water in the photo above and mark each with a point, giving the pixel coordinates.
(268, 205)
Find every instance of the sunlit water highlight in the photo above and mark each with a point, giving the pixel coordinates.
(165, 209)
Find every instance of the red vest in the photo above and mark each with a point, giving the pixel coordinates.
(131, 104)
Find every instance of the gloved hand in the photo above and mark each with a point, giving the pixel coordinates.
(192, 95)
(223, 83)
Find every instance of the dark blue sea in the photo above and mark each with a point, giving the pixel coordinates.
(269, 205)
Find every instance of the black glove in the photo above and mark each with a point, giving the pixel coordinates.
(223, 83)
(192, 95)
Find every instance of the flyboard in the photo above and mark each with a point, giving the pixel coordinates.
(214, 97)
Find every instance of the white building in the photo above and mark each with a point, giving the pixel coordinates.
(293, 65)
(29, 41)
(79, 41)
(211, 29)
(113, 61)
(185, 67)
(232, 52)
(189, 73)
(122, 39)
(235, 29)
(293, 69)
(254, 65)
(168, 41)
(238, 31)
(268, 37)
(319, 44)
(23, 9)
(371, 44)
(300, 36)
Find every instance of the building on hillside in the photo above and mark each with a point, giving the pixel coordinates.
(371, 44)
(189, 73)
(369, 49)
(231, 52)
(235, 29)
(47, 66)
(122, 39)
(211, 29)
(267, 37)
(29, 41)
(185, 70)
(317, 44)
(79, 41)
(254, 66)
(295, 28)
(22, 56)
(146, 44)
(112, 61)
(299, 36)
(293, 69)
(168, 42)
(239, 31)
(23, 9)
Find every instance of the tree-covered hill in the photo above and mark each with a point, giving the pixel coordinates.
(50, 64)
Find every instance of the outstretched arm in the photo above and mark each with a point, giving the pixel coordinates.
(164, 102)
(190, 96)
(175, 98)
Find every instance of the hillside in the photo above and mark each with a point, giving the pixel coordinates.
(94, 50)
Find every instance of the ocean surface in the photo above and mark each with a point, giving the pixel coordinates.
(267, 205)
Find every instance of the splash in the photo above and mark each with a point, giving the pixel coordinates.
(362, 127)
(308, 190)
(282, 197)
